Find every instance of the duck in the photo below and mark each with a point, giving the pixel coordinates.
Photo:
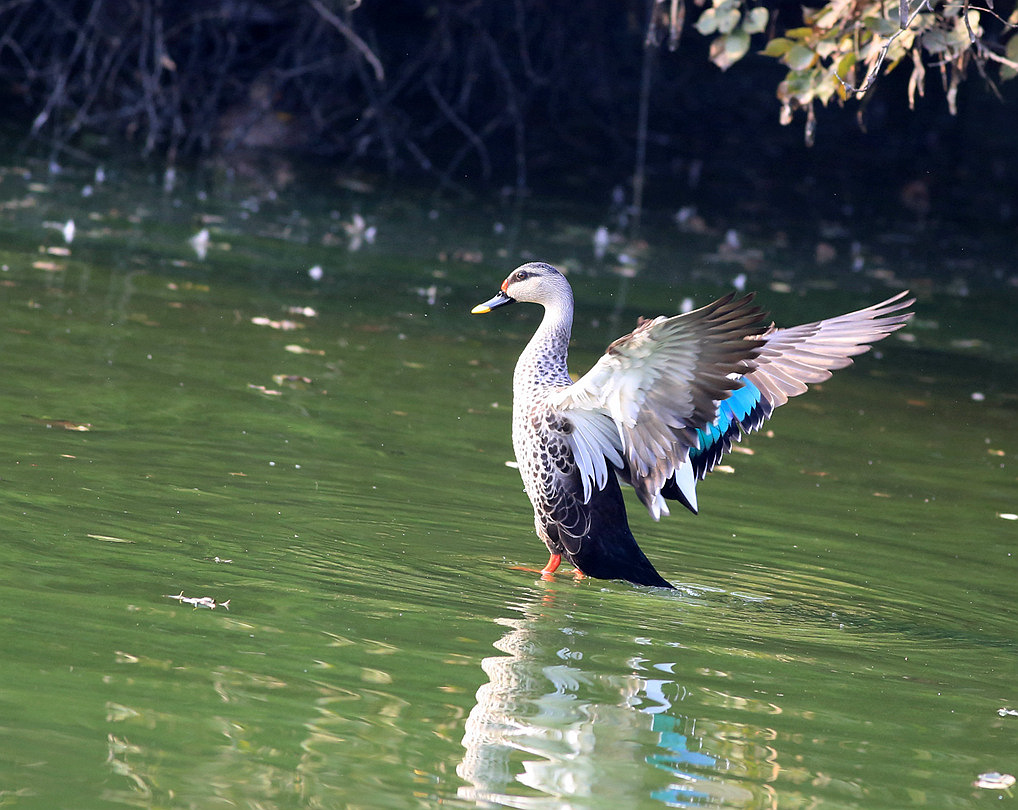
(656, 412)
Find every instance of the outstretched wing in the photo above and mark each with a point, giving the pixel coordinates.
(666, 402)
(789, 360)
(655, 390)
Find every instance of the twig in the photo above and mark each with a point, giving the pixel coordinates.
(461, 125)
(871, 75)
(351, 37)
(643, 115)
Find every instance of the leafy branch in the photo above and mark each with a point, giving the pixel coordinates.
(843, 38)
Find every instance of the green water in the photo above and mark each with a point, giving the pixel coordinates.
(844, 632)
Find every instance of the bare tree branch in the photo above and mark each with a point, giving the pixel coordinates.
(351, 37)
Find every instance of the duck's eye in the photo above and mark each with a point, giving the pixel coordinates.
(522, 275)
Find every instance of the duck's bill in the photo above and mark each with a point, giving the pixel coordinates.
(500, 300)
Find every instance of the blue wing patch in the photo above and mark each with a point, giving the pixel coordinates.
(743, 412)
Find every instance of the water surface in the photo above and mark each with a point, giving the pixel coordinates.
(330, 458)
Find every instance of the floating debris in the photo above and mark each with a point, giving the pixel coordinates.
(49, 267)
(307, 312)
(994, 781)
(106, 538)
(429, 294)
(293, 348)
(293, 380)
(825, 253)
(261, 389)
(68, 231)
(1008, 516)
(358, 231)
(689, 221)
(1005, 712)
(66, 424)
(200, 243)
(198, 601)
(353, 184)
(316, 273)
(284, 325)
(601, 241)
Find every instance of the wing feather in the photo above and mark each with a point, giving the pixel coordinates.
(658, 386)
(665, 403)
(789, 360)
(793, 357)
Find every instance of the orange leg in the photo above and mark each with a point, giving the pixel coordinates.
(553, 563)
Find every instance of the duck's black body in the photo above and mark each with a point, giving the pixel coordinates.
(595, 536)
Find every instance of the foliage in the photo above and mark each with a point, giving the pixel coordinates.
(839, 50)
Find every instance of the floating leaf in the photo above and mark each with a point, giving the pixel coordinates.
(66, 424)
(994, 781)
(106, 538)
(283, 325)
(198, 601)
(50, 267)
(200, 243)
(293, 348)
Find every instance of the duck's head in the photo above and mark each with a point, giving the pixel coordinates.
(535, 282)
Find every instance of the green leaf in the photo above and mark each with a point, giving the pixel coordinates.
(756, 20)
(1011, 52)
(799, 57)
(878, 25)
(728, 17)
(936, 41)
(845, 64)
(799, 33)
(826, 48)
(779, 46)
(826, 88)
(708, 22)
(726, 50)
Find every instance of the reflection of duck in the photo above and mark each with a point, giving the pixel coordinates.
(658, 411)
(536, 726)
(560, 723)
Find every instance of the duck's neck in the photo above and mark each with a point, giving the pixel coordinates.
(543, 362)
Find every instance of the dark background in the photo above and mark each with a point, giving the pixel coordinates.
(490, 96)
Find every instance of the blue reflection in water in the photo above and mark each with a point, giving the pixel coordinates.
(679, 755)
